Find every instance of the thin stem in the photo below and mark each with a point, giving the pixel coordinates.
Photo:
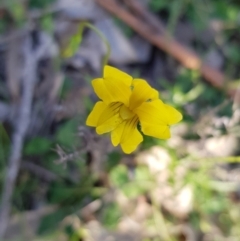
(103, 38)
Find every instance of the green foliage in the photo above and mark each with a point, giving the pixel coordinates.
(111, 215)
(17, 11)
(51, 221)
(74, 43)
(47, 24)
(40, 3)
(113, 160)
(66, 87)
(225, 11)
(124, 27)
(119, 175)
(38, 146)
(232, 52)
(156, 5)
(66, 134)
(141, 183)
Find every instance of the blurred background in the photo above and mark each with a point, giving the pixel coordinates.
(59, 180)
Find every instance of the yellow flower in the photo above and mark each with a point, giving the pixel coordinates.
(124, 103)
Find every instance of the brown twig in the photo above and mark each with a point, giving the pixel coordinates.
(146, 26)
(137, 8)
(66, 157)
(81, 149)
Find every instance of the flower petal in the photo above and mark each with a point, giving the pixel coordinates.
(109, 119)
(113, 88)
(127, 135)
(110, 72)
(101, 90)
(173, 115)
(132, 143)
(109, 125)
(116, 134)
(141, 92)
(118, 84)
(157, 113)
(158, 131)
(95, 114)
(110, 110)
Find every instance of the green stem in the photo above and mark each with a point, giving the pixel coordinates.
(103, 38)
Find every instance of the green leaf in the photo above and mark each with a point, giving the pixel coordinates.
(119, 175)
(113, 160)
(47, 23)
(38, 146)
(111, 216)
(40, 3)
(141, 184)
(134, 189)
(142, 173)
(51, 221)
(156, 5)
(66, 134)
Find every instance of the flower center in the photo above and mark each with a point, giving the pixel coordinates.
(125, 113)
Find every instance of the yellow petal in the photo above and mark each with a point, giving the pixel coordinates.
(141, 92)
(127, 135)
(109, 125)
(115, 86)
(109, 119)
(125, 113)
(172, 115)
(110, 72)
(116, 134)
(113, 89)
(95, 114)
(101, 90)
(110, 111)
(158, 131)
(118, 84)
(131, 144)
(157, 113)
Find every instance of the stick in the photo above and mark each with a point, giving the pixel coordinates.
(163, 41)
(20, 130)
(4, 111)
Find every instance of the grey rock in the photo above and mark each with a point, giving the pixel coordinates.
(214, 59)
(222, 146)
(81, 9)
(142, 48)
(122, 51)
